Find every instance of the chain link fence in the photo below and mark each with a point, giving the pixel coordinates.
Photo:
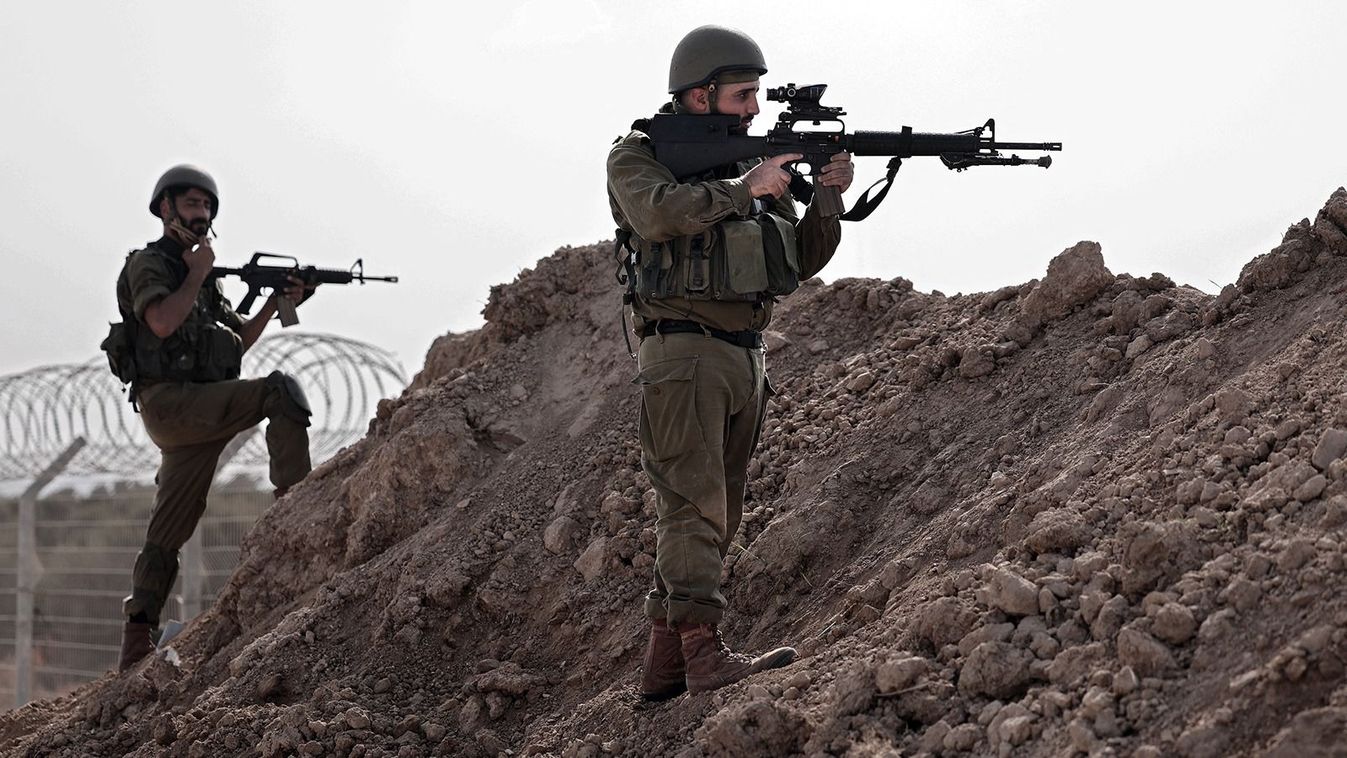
(85, 548)
(66, 559)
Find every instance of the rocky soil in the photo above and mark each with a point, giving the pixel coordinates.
(1091, 514)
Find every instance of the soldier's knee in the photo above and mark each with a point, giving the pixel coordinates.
(286, 397)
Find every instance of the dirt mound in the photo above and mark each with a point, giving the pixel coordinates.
(1089, 514)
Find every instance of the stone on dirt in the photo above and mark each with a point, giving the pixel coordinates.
(995, 669)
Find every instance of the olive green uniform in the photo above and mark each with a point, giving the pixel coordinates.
(192, 404)
(703, 397)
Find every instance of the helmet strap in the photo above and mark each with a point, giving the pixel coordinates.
(712, 90)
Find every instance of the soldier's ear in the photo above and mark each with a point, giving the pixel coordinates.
(165, 206)
(697, 100)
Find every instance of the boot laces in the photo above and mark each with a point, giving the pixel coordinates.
(724, 650)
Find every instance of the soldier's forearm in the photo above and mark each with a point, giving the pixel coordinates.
(253, 327)
(818, 238)
(165, 315)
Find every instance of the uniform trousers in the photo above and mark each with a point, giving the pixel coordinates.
(702, 406)
(191, 423)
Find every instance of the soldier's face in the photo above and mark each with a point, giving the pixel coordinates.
(740, 100)
(194, 210)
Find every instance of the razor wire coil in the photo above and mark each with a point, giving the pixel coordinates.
(43, 409)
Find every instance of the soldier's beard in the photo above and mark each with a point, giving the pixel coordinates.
(741, 127)
(188, 236)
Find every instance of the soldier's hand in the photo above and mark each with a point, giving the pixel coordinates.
(769, 179)
(200, 259)
(298, 292)
(838, 172)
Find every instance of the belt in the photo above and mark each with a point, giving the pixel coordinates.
(745, 338)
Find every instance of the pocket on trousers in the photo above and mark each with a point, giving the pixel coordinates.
(162, 401)
(670, 426)
(166, 412)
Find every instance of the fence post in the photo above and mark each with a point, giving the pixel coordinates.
(194, 553)
(28, 573)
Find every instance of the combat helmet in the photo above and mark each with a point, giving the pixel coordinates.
(707, 52)
(184, 175)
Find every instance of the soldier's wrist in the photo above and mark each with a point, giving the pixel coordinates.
(741, 192)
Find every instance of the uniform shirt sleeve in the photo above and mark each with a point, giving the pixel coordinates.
(655, 205)
(817, 238)
(150, 280)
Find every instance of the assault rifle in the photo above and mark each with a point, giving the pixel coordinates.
(277, 278)
(690, 145)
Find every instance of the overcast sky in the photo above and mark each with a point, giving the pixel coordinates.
(457, 147)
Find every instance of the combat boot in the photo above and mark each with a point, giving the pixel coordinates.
(136, 644)
(662, 671)
(710, 664)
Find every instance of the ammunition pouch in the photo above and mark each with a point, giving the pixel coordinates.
(737, 260)
(220, 352)
(121, 352)
(781, 255)
(155, 362)
(200, 351)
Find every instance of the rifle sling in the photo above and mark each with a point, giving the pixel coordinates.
(626, 274)
(866, 205)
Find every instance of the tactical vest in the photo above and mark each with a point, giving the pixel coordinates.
(201, 350)
(736, 260)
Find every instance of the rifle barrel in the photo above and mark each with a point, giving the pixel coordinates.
(1025, 146)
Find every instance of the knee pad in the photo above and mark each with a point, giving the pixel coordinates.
(293, 403)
